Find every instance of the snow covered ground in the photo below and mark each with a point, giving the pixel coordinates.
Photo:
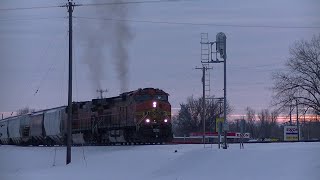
(278, 161)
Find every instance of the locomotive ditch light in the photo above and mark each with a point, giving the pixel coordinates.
(166, 120)
(154, 104)
(147, 120)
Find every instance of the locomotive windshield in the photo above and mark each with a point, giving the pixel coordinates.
(146, 97)
(141, 98)
(161, 97)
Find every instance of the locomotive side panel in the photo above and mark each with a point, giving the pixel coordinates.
(81, 120)
(130, 115)
(130, 111)
(123, 111)
(14, 129)
(106, 113)
(4, 132)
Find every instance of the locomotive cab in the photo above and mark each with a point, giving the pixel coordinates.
(153, 115)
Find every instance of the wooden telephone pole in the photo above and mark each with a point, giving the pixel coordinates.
(70, 6)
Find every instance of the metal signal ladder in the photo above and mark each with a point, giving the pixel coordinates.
(205, 58)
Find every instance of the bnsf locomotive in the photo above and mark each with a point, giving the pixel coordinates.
(140, 116)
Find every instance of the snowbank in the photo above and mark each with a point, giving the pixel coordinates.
(160, 162)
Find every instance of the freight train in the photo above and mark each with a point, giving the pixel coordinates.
(140, 116)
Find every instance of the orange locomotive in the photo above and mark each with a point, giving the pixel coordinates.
(140, 116)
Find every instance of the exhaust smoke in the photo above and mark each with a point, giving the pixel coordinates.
(102, 37)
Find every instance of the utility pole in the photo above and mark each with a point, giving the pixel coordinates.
(304, 124)
(101, 91)
(70, 10)
(298, 119)
(70, 6)
(290, 115)
(203, 102)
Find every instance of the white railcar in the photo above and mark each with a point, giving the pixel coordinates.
(14, 129)
(4, 138)
(54, 124)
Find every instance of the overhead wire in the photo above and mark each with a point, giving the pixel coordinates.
(29, 8)
(199, 24)
(256, 66)
(32, 19)
(51, 66)
(45, 75)
(41, 57)
(92, 4)
(133, 2)
(276, 69)
(160, 22)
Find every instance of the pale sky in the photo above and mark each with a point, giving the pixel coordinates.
(34, 51)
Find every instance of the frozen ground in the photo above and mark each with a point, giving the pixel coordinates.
(286, 161)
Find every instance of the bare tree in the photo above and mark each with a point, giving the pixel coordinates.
(251, 122)
(263, 124)
(267, 125)
(276, 131)
(189, 116)
(301, 81)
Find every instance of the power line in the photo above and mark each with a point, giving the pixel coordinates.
(256, 66)
(31, 19)
(157, 22)
(201, 24)
(51, 66)
(28, 8)
(259, 70)
(132, 2)
(93, 4)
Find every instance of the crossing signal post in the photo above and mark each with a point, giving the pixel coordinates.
(221, 49)
(219, 122)
(242, 132)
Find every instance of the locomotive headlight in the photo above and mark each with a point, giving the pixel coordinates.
(154, 104)
(147, 120)
(166, 120)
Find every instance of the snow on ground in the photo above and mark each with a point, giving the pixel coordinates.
(277, 161)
